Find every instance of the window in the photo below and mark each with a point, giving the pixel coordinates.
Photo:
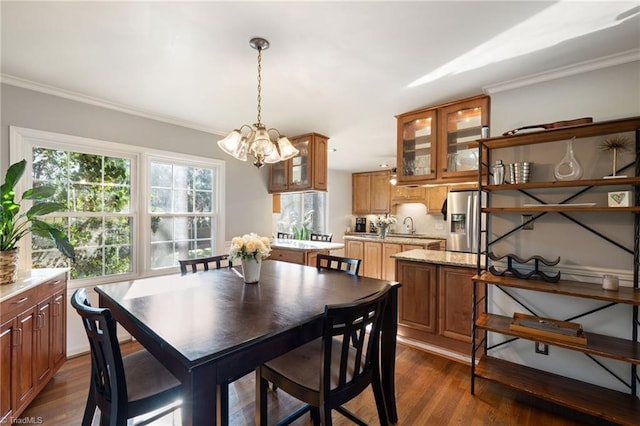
(181, 209)
(96, 193)
(128, 213)
(302, 213)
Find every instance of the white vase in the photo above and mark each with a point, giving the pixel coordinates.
(251, 270)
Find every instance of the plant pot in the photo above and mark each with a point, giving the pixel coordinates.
(251, 270)
(8, 266)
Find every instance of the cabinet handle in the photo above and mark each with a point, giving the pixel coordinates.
(55, 282)
(56, 309)
(18, 339)
(39, 322)
(24, 299)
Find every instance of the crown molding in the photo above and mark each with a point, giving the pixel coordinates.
(567, 71)
(79, 97)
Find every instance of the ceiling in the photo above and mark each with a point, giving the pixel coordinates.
(343, 69)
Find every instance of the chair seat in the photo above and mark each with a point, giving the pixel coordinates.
(296, 365)
(146, 377)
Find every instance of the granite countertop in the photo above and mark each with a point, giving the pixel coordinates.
(395, 238)
(29, 279)
(453, 258)
(305, 245)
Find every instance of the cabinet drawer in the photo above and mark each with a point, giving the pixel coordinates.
(18, 303)
(50, 287)
(290, 256)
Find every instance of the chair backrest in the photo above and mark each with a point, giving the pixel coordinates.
(108, 384)
(284, 236)
(358, 358)
(336, 263)
(321, 237)
(204, 261)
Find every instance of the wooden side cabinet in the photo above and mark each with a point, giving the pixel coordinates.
(371, 193)
(306, 171)
(32, 343)
(435, 305)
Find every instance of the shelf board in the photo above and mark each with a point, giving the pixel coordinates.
(565, 184)
(594, 400)
(557, 209)
(597, 344)
(562, 133)
(626, 295)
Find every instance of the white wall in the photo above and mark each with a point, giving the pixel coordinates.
(604, 95)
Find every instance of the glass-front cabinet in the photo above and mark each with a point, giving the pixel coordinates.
(416, 147)
(436, 144)
(306, 171)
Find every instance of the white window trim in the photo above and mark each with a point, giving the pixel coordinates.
(21, 142)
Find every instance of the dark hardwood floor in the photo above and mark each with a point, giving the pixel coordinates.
(430, 390)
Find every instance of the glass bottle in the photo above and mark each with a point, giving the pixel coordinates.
(568, 168)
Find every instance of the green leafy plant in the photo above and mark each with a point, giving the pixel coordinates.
(15, 225)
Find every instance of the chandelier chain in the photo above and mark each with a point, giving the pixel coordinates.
(259, 84)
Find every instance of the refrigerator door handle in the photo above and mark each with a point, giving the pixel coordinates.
(469, 225)
(473, 229)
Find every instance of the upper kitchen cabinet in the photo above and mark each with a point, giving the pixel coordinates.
(436, 144)
(306, 171)
(371, 192)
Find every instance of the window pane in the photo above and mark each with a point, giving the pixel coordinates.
(203, 202)
(162, 255)
(161, 228)
(160, 200)
(89, 263)
(203, 179)
(118, 231)
(161, 175)
(116, 199)
(117, 171)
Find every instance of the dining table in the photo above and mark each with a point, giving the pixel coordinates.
(210, 328)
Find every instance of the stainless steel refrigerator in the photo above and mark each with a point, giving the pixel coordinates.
(463, 227)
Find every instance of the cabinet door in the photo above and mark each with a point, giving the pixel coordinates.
(312, 257)
(409, 193)
(320, 147)
(416, 146)
(460, 124)
(388, 262)
(417, 296)
(59, 328)
(300, 168)
(436, 196)
(355, 250)
(360, 193)
(25, 383)
(372, 260)
(42, 340)
(279, 176)
(455, 298)
(291, 256)
(7, 336)
(380, 193)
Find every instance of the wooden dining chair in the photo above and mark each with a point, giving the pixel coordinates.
(204, 261)
(121, 387)
(284, 236)
(348, 265)
(321, 237)
(329, 371)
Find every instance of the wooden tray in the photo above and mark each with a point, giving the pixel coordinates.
(550, 328)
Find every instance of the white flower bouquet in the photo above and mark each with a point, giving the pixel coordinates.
(385, 221)
(250, 246)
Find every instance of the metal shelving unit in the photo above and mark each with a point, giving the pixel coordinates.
(619, 407)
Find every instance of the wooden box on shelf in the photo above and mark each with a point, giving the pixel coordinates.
(549, 328)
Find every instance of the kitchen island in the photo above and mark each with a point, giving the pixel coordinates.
(303, 252)
(434, 310)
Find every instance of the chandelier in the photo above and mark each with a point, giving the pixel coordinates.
(256, 140)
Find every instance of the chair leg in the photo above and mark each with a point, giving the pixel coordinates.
(261, 399)
(89, 410)
(315, 416)
(325, 414)
(376, 384)
(223, 400)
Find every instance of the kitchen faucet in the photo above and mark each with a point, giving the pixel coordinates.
(410, 229)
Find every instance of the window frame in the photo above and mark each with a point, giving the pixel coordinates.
(21, 143)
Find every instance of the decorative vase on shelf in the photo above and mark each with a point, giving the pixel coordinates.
(251, 270)
(568, 168)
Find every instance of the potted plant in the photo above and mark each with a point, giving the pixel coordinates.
(15, 225)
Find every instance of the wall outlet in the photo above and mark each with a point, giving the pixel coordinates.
(542, 348)
(527, 218)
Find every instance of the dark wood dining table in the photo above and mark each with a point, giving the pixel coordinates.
(210, 327)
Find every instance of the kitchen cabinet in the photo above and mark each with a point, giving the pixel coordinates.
(389, 249)
(435, 304)
(601, 402)
(301, 257)
(435, 198)
(437, 144)
(372, 260)
(306, 171)
(32, 343)
(408, 194)
(370, 192)
(355, 250)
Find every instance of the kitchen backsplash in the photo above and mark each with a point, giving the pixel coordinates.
(431, 225)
